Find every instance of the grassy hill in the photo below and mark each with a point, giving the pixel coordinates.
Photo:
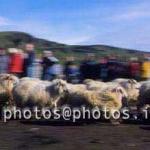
(15, 39)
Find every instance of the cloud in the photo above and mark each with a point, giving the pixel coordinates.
(132, 15)
(4, 21)
(75, 40)
(132, 12)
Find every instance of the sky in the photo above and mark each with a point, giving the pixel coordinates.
(122, 23)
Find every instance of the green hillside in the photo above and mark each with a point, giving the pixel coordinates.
(15, 39)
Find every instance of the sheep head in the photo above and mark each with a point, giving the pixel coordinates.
(132, 87)
(121, 95)
(60, 86)
(8, 81)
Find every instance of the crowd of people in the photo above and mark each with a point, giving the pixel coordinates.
(24, 63)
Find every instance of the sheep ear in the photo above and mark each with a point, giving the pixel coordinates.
(7, 78)
(114, 90)
(119, 91)
(131, 81)
(134, 81)
(58, 83)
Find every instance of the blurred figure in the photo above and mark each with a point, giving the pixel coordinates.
(15, 61)
(104, 69)
(124, 71)
(134, 68)
(146, 69)
(4, 60)
(45, 64)
(112, 68)
(51, 67)
(121, 69)
(89, 68)
(29, 60)
(37, 68)
(71, 70)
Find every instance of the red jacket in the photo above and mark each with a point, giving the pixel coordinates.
(16, 63)
(134, 68)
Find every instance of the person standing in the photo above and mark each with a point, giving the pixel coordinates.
(89, 68)
(103, 69)
(15, 61)
(134, 67)
(112, 68)
(71, 70)
(29, 60)
(3, 61)
(45, 64)
(145, 69)
(51, 67)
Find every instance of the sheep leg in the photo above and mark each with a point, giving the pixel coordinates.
(10, 100)
(55, 103)
(113, 120)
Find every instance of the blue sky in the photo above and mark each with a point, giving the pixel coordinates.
(123, 23)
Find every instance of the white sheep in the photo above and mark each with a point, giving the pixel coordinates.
(7, 83)
(111, 98)
(106, 86)
(131, 86)
(39, 93)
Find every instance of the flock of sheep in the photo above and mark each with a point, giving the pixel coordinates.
(30, 92)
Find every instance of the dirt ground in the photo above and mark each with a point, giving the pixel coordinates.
(17, 135)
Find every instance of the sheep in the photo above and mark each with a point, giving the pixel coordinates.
(106, 86)
(109, 101)
(144, 95)
(7, 83)
(115, 87)
(100, 86)
(131, 86)
(21, 91)
(39, 93)
(112, 98)
(93, 99)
